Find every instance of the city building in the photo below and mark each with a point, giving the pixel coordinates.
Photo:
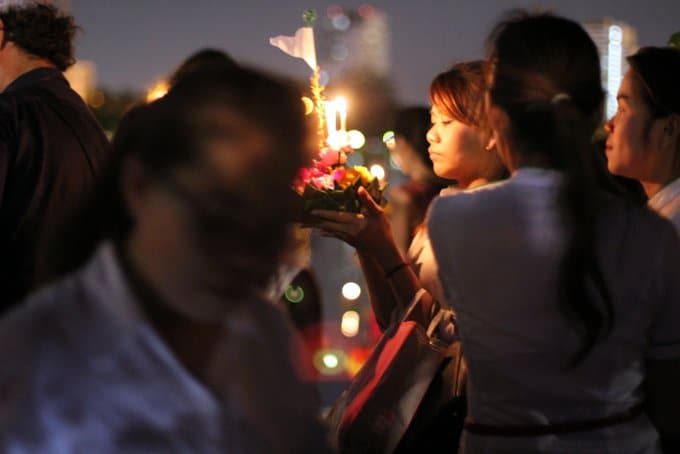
(349, 39)
(615, 40)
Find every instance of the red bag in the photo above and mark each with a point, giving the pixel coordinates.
(380, 405)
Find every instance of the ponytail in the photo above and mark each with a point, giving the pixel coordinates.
(545, 75)
(584, 297)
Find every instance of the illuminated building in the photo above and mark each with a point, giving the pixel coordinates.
(353, 39)
(615, 40)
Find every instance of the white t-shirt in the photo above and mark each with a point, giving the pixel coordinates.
(666, 202)
(498, 250)
(422, 258)
(83, 371)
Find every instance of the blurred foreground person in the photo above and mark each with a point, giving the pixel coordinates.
(567, 297)
(51, 146)
(206, 59)
(644, 135)
(158, 339)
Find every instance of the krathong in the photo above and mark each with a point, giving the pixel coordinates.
(329, 183)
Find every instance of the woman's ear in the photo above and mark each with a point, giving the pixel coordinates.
(499, 123)
(491, 143)
(672, 128)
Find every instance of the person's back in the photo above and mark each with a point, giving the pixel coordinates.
(504, 263)
(567, 298)
(51, 146)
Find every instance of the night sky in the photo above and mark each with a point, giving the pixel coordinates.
(134, 42)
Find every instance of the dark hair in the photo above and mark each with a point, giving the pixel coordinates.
(656, 72)
(460, 92)
(41, 31)
(545, 74)
(251, 209)
(207, 59)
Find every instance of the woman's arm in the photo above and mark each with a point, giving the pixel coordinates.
(379, 291)
(391, 281)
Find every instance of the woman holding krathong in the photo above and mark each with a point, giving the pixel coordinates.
(460, 150)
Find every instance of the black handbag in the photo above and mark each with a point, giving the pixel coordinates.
(410, 393)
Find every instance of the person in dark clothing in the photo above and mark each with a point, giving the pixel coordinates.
(50, 143)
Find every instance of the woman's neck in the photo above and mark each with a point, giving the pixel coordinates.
(476, 183)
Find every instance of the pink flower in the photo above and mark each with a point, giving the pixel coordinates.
(323, 182)
(329, 157)
(339, 174)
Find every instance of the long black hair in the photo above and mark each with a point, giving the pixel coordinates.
(250, 211)
(545, 74)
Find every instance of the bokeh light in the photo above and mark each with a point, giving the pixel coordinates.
(356, 139)
(389, 139)
(377, 171)
(159, 90)
(351, 291)
(330, 361)
(309, 105)
(294, 294)
(349, 326)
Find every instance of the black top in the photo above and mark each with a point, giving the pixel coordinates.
(51, 147)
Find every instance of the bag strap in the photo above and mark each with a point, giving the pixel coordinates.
(413, 305)
(437, 313)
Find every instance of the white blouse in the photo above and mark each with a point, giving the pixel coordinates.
(666, 202)
(499, 250)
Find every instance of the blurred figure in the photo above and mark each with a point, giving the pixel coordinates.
(158, 339)
(207, 59)
(644, 135)
(567, 297)
(302, 300)
(51, 146)
(297, 257)
(409, 202)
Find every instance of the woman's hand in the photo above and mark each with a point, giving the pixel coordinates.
(367, 231)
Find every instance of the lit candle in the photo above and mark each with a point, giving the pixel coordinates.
(331, 114)
(341, 106)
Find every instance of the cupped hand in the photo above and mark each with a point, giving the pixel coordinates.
(366, 231)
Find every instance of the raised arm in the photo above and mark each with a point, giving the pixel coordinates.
(392, 283)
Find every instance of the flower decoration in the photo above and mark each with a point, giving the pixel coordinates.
(328, 183)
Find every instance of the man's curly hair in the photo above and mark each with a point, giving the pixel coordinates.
(42, 31)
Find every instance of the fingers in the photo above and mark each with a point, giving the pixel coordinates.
(340, 228)
(335, 235)
(367, 201)
(338, 216)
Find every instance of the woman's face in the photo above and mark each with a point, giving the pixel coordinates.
(456, 149)
(633, 133)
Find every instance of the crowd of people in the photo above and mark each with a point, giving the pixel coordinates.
(137, 276)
